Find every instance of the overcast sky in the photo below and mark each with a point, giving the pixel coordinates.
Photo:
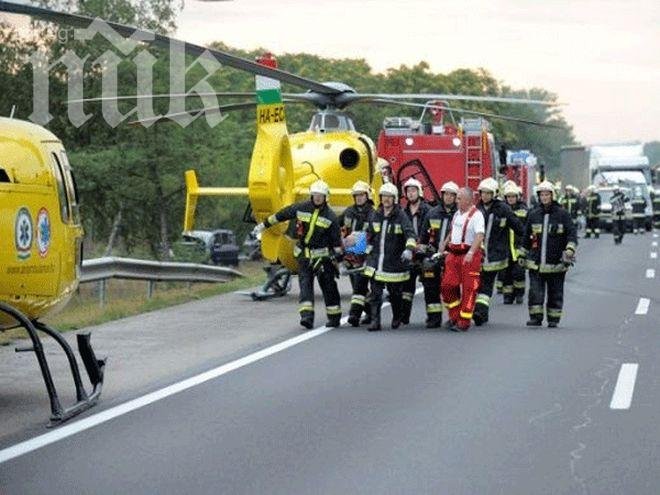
(601, 57)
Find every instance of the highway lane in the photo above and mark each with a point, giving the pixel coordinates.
(500, 409)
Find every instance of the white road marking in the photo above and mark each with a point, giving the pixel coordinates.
(654, 244)
(114, 412)
(625, 386)
(650, 273)
(642, 306)
(655, 236)
(654, 255)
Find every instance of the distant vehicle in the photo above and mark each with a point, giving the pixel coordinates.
(605, 194)
(251, 247)
(209, 246)
(634, 180)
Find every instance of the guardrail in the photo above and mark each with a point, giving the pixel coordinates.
(102, 269)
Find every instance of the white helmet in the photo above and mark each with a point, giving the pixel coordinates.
(450, 187)
(319, 187)
(488, 185)
(511, 188)
(546, 186)
(361, 187)
(389, 189)
(412, 182)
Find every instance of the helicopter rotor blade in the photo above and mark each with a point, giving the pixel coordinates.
(163, 41)
(347, 99)
(464, 110)
(298, 97)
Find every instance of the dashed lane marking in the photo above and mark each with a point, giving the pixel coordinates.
(642, 306)
(654, 255)
(625, 386)
(114, 412)
(650, 273)
(654, 244)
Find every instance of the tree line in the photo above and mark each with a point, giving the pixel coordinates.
(130, 179)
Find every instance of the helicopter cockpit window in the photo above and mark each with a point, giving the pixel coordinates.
(61, 192)
(331, 122)
(71, 189)
(317, 122)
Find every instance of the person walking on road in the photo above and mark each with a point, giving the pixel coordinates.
(317, 250)
(353, 223)
(391, 243)
(618, 202)
(548, 249)
(513, 276)
(499, 220)
(462, 247)
(433, 232)
(593, 213)
(416, 210)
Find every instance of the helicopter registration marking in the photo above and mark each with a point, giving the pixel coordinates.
(270, 114)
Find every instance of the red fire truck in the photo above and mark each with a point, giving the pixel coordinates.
(438, 151)
(520, 167)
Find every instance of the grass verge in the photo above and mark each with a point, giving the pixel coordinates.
(127, 297)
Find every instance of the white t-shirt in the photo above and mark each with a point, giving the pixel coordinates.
(476, 226)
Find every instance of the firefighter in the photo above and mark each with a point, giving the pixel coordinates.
(416, 210)
(317, 251)
(390, 252)
(655, 199)
(513, 276)
(548, 249)
(593, 213)
(638, 203)
(618, 202)
(433, 232)
(352, 221)
(571, 202)
(499, 219)
(462, 248)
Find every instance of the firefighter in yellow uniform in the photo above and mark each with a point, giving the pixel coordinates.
(513, 276)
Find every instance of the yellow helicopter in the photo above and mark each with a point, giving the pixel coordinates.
(41, 250)
(283, 165)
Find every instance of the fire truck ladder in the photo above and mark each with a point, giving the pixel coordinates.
(416, 169)
(474, 163)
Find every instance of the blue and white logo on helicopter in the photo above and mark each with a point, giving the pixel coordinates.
(23, 233)
(43, 232)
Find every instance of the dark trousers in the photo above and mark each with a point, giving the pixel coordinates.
(639, 224)
(513, 279)
(539, 285)
(325, 273)
(483, 297)
(618, 228)
(593, 227)
(359, 300)
(430, 279)
(395, 290)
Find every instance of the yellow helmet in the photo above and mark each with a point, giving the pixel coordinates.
(319, 187)
(361, 187)
(389, 189)
(412, 182)
(488, 185)
(450, 187)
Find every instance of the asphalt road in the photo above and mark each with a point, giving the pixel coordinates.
(499, 409)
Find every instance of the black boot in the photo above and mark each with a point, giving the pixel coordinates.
(307, 319)
(406, 309)
(508, 298)
(434, 320)
(333, 321)
(553, 324)
(520, 298)
(354, 315)
(480, 315)
(534, 322)
(396, 313)
(374, 326)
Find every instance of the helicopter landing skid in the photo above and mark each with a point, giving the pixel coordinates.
(93, 365)
(278, 284)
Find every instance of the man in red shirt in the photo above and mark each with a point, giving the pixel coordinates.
(462, 247)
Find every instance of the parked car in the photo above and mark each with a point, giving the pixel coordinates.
(209, 246)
